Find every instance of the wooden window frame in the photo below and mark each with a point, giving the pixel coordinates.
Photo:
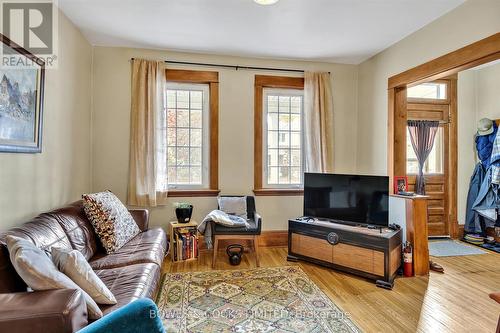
(442, 128)
(433, 100)
(262, 82)
(212, 79)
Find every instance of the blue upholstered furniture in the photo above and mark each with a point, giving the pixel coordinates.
(139, 316)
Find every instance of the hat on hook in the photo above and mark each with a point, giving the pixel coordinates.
(485, 127)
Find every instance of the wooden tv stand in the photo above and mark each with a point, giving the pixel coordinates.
(372, 253)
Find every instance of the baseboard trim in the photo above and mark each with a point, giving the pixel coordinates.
(460, 231)
(268, 238)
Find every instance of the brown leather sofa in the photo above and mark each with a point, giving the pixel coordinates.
(130, 273)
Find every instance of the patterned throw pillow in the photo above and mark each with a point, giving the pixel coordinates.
(110, 218)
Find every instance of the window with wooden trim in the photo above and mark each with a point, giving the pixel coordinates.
(428, 101)
(191, 128)
(278, 146)
(434, 164)
(187, 135)
(428, 90)
(282, 124)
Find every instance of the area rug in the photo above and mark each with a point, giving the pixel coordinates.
(492, 247)
(451, 248)
(278, 299)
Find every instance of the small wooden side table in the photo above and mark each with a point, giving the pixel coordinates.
(412, 215)
(183, 241)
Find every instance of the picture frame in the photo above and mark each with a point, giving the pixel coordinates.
(400, 184)
(21, 100)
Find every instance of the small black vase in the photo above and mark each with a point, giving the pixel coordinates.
(184, 214)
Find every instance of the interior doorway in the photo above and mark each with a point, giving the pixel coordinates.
(434, 101)
(478, 53)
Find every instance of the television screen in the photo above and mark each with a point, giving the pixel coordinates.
(348, 198)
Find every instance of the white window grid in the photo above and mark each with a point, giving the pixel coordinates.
(205, 149)
(281, 133)
(434, 163)
(428, 90)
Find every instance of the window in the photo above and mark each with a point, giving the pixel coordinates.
(191, 132)
(434, 163)
(187, 135)
(430, 90)
(283, 137)
(278, 139)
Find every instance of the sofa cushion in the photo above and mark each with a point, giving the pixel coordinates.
(129, 283)
(77, 227)
(110, 218)
(147, 247)
(73, 264)
(44, 231)
(40, 273)
(252, 229)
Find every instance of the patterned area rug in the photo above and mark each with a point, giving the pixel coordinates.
(278, 299)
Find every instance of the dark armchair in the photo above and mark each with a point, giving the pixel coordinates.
(220, 232)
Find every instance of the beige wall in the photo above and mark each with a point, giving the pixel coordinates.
(488, 91)
(467, 119)
(70, 165)
(33, 183)
(470, 22)
(111, 125)
(478, 97)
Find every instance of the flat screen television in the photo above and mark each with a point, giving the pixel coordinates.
(351, 199)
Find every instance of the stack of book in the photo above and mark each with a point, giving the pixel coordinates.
(186, 243)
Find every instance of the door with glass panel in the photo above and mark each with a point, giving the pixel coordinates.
(431, 101)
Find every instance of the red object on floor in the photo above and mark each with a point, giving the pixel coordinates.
(408, 260)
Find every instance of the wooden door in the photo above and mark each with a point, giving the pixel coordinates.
(436, 176)
(436, 189)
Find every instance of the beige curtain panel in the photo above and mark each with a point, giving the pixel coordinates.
(318, 122)
(148, 170)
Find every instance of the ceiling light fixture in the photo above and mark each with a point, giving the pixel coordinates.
(266, 2)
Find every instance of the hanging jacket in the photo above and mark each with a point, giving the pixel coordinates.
(487, 201)
(495, 160)
(484, 146)
(472, 218)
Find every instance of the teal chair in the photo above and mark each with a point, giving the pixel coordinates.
(140, 316)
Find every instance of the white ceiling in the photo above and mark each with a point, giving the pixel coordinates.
(343, 31)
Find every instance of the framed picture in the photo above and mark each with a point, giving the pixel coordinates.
(21, 100)
(400, 184)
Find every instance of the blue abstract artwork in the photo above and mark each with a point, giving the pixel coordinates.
(18, 105)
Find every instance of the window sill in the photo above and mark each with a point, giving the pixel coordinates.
(278, 192)
(192, 193)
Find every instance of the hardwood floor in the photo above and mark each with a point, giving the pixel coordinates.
(456, 301)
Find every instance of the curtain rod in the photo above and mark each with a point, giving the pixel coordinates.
(236, 67)
(441, 122)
